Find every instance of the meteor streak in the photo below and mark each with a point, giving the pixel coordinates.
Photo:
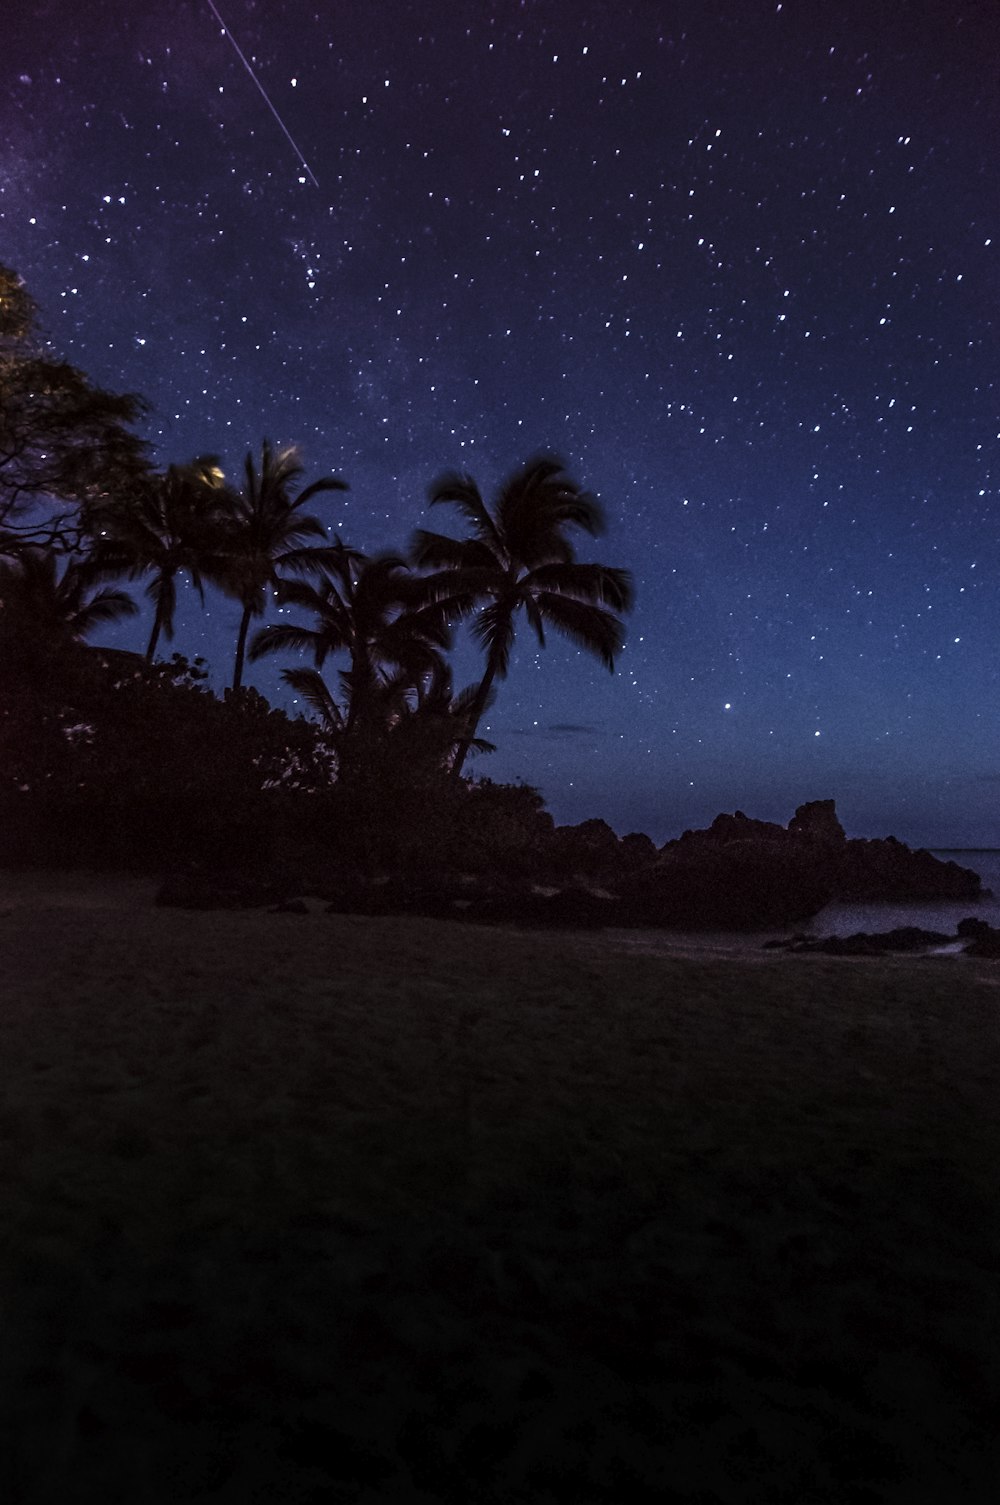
(239, 53)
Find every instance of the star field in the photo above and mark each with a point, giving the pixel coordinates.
(737, 263)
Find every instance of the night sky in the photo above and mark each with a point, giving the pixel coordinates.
(736, 263)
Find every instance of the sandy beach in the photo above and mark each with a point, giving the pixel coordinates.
(334, 1208)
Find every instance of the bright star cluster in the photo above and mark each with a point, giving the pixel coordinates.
(736, 262)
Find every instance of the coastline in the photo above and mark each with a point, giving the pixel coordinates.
(67, 889)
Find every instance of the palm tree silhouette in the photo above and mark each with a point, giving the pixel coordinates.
(53, 610)
(518, 558)
(377, 613)
(420, 729)
(434, 724)
(267, 533)
(173, 527)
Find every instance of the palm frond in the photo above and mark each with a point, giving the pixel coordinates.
(301, 593)
(464, 703)
(303, 561)
(341, 562)
(327, 483)
(534, 617)
(460, 592)
(284, 637)
(436, 551)
(461, 491)
(493, 630)
(592, 628)
(595, 583)
(314, 690)
(105, 607)
(536, 505)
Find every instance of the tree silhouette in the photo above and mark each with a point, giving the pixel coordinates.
(40, 607)
(66, 449)
(174, 526)
(378, 614)
(518, 558)
(267, 534)
(421, 729)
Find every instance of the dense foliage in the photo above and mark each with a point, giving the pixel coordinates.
(109, 756)
(67, 448)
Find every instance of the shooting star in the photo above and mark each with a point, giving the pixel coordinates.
(239, 53)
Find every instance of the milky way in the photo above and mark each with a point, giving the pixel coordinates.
(737, 263)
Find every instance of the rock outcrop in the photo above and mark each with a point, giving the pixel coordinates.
(906, 938)
(984, 939)
(739, 874)
(743, 874)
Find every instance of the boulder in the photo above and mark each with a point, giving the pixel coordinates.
(985, 938)
(725, 830)
(975, 929)
(867, 871)
(590, 849)
(752, 885)
(637, 851)
(817, 821)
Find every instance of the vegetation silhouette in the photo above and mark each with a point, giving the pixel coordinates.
(173, 526)
(53, 609)
(67, 450)
(267, 535)
(103, 751)
(372, 609)
(519, 558)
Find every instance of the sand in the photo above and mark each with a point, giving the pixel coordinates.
(329, 1208)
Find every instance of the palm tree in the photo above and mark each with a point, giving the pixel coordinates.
(173, 527)
(423, 729)
(377, 613)
(267, 533)
(435, 725)
(53, 611)
(518, 558)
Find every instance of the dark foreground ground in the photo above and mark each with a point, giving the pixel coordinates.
(311, 1208)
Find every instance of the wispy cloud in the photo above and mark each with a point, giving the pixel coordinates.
(557, 729)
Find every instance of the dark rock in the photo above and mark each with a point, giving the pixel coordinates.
(904, 938)
(872, 871)
(570, 909)
(726, 829)
(590, 849)
(752, 885)
(290, 906)
(986, 946)
(637, 851)
(748, 874)
(578, 909)
(817, 821)
(975, 929)
(393, 896)
(985, 938)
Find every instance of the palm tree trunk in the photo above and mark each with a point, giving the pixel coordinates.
(158, 621)
(478, 707)
(241, 647)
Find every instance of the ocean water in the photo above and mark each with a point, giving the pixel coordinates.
(848, 919)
